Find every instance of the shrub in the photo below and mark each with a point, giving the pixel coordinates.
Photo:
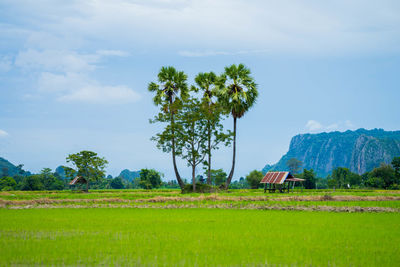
(7, 183)
(254, 178)
(200, 188)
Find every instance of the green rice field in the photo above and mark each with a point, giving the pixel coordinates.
(166, 228)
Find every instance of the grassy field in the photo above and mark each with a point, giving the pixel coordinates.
(351, 200)
(201, 237)
(149, 228)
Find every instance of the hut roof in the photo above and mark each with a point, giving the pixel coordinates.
(279, 178)
(77, 180)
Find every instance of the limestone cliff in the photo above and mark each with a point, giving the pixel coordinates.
(360, 150)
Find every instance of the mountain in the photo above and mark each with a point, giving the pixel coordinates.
(129, 175)
(360, 150)
(61, 172)
(9, 169)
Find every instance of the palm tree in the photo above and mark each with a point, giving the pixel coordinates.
(206, 83)
(212, 112)
(237, 93)
(170, 90)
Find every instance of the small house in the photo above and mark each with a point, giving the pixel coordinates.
(78, 180)
(279, 181)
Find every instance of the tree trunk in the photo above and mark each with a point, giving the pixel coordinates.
(193, 165)
(228, 181)
(194, 177)
(178, 177)
(209, 155)
(87, 186)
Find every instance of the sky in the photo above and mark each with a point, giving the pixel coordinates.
(74, 74)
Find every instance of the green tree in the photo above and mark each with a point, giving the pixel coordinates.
(396, 166)
(354, 179)
(191, 135)
(88, 165)
(117, 183)
(321, 183)
(7, 183)
(375, 182)
(310, 179)
(149, 179)
(341, 177)
(294, 165)
(386, 173)
(32, 183)
(237, 93)
(49, 180)
(241, 184)
(213, 113)
(170, 90)
(254, 179)
(218, 177)
(331, 182)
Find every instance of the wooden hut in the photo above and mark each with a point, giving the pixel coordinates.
(78, 180)
(279, 181)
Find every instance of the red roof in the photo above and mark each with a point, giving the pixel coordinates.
(78, 179)
(276, 177)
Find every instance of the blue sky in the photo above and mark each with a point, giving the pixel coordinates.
(74, 74)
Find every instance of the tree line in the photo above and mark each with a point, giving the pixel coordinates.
(386, 176)
(192, 116)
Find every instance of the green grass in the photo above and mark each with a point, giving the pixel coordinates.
(234, 198)
(197, 237)
(139, 194)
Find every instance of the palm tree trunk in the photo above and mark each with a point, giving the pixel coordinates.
(228, 181)
(178, 177)
(209, 155)
(193, 165)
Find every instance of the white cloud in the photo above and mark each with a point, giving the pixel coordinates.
(185, 53)
(101, 95)
(75, 87)
(274, 26)
(315, 126)
(349, 124)
(117, 53)
(66, 75)
(50, 82)
(207, 53)
(3, 133)
(56, 60)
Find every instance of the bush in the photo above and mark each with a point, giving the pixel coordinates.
(116, 183)
(375, 182)
(200, 188)
(394, 187)
(7, 183)
(149, 179)
(254, 178)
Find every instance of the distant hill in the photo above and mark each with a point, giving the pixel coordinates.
(129, 175)
(9, 169)
(60, 171)
(360, 150)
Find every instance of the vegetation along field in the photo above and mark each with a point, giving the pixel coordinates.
(228, 228)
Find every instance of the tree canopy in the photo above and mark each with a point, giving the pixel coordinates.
(87, 165)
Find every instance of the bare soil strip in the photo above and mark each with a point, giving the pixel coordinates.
(215, 206)
(201, 198)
